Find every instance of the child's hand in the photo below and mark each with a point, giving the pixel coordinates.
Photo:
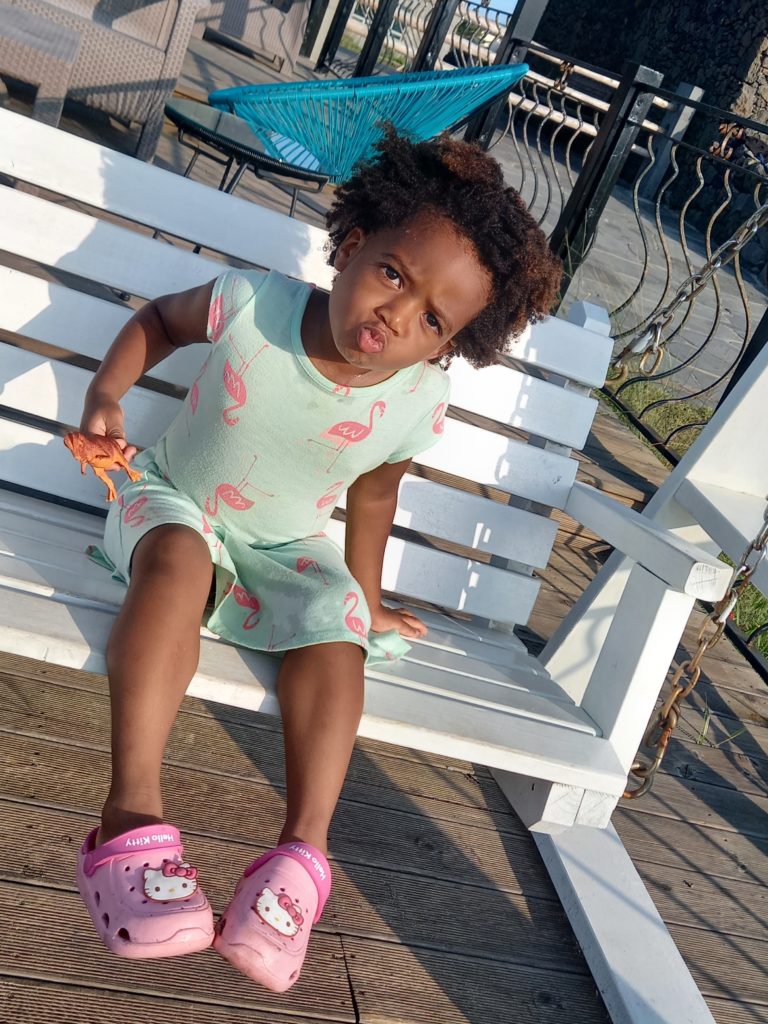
(104, 417)
(405, 622)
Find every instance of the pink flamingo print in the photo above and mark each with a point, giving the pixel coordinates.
(274, 643)
(194, 395)
(131, 512)
(354, 622)
(438, 418)
(235, 385)
(329, 497)
(245, 600)
(209, 531)
(342, 389)
(219, 314)
(304, 564)
(194, 391)
(232, 494)
(350, 432)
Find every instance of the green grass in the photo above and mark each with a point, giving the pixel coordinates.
(750, 612)
(666, 418)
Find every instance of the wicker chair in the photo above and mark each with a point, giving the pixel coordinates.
(130, 57)
(273, 29)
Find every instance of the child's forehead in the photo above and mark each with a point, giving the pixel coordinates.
(425, 238)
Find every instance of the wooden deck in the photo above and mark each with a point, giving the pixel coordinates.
(441, 911)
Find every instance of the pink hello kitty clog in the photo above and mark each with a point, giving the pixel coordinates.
(143, 897)
(264, 932)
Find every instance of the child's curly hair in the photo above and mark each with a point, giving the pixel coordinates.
(459, 181)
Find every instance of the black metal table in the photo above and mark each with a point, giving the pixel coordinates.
(236, 148)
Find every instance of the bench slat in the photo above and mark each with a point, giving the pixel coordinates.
(440, 511)
(98, 250)
(78, 322)
(521, 401)
(150, 195)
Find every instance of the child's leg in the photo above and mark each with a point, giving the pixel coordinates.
(265, 929)
(151, 657)
(320, 689)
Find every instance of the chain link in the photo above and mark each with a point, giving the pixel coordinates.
(650, 343)
(688, 672)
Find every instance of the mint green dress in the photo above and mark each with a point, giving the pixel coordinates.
(255, 461)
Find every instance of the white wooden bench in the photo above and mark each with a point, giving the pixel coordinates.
(560, 745)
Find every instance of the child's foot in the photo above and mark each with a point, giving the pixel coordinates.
(143, 897)
(264, 931)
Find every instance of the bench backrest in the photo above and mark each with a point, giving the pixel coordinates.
(473, 520)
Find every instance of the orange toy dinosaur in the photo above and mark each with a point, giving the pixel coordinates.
(101, 454)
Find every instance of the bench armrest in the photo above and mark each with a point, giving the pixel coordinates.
(683, 566)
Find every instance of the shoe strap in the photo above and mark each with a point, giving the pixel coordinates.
(137, 840)
(311, 859)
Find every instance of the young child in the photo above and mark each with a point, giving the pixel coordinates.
(304, 395)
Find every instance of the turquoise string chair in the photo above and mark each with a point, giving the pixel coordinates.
(328, 126)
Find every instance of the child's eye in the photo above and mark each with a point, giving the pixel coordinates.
(391, 273)
(433, 323)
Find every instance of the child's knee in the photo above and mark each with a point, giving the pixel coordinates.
(172, 551)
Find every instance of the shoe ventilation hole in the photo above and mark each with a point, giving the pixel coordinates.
(97, 897)
(127, 867)
(132, 889)
(105, 919)
(124, 934)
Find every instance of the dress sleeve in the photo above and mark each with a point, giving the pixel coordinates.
(429, 429)
(232, 292)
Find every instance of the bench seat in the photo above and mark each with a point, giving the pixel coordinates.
(59, 606)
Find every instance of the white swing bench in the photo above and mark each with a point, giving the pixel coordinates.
(560, 731)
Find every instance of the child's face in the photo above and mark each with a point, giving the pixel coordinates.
(403, 294)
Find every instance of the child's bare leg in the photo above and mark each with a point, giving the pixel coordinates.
(152, 655)
(320, 689)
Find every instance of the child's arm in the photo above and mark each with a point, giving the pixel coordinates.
(152, 334)
(371, 504)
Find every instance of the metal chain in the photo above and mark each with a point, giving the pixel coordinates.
(687, 674)
(650, 344)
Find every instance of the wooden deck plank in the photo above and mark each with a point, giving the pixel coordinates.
(727, 967)
(727, 768)
(33, 1001)
(247, 749)
(76, 779)
(63, 946)
(676, 843)
(387, 904)
(89, 682)
(392, 986)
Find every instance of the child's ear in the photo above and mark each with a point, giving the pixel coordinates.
(347, 248)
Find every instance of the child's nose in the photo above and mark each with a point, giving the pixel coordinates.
(396, 313)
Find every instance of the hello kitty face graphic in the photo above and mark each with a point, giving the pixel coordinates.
(170, 882)
(278, 911)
